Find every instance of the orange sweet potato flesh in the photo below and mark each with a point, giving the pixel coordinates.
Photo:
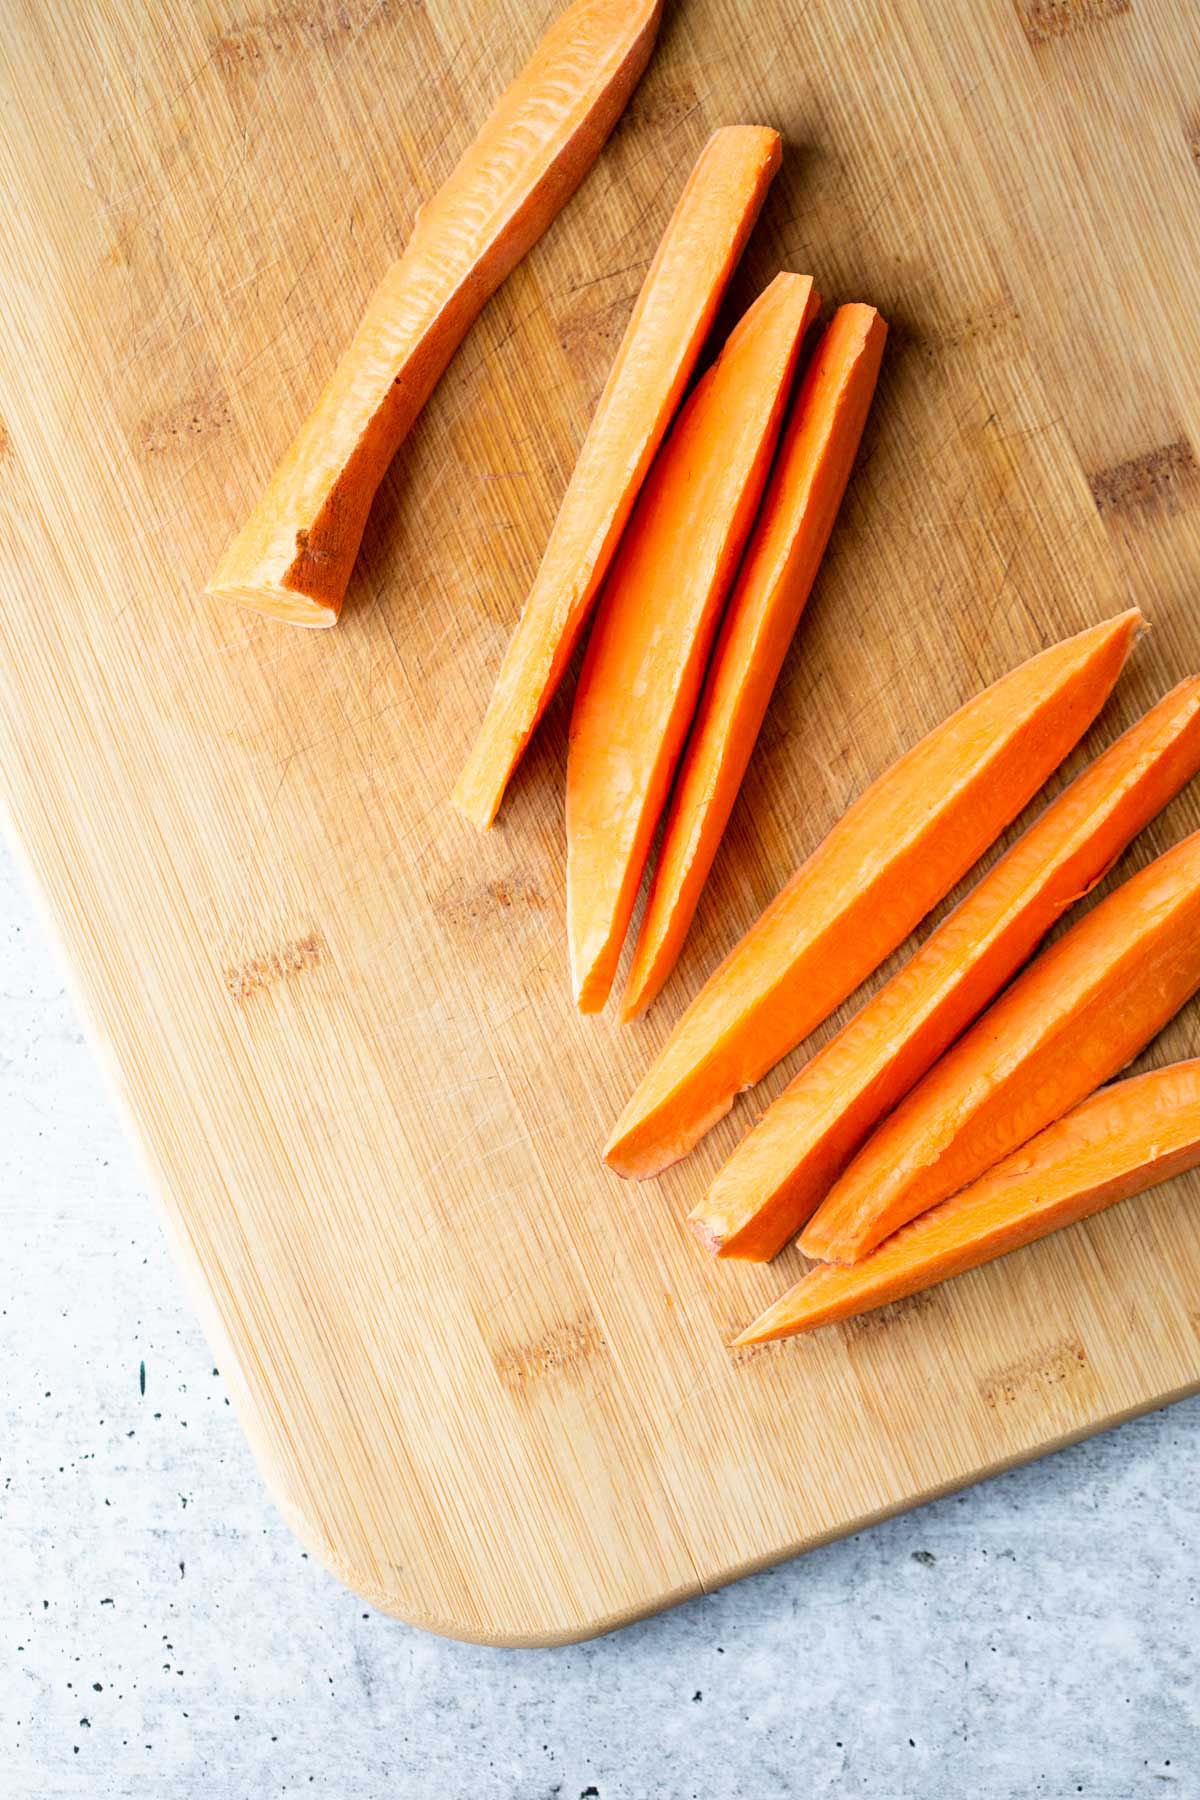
(293, 556)
(674, 311)
(805, 491)
(897, 851)
(1078, 1014)
(784, 1167)
(1124, 1139)
(657, 618)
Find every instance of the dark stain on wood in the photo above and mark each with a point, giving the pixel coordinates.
(463, 903)
(882, 1318)
(662, 107)
(291, 30)
(590, 334)
(1161, 480)
(560, 1354)
(1045, 21)
(974, 330)
(196, 416)
(742, 1354)
(1050, 1366)
(246, 981)
(936, 341)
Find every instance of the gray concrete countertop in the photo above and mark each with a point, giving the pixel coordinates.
(164, 1636)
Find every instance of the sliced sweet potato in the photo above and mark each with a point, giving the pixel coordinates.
(1124, 1139)
(899, 849)
(819, 444)
(1077, 1015)
(670, 321)
(783, 1169)
(293, 556)
(657, 618)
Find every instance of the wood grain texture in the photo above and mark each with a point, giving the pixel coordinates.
(486, 1381)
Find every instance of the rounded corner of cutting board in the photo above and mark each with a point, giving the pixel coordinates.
(497, 1626)
(502, 1622)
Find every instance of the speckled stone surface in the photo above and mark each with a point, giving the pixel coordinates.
(164, 1636)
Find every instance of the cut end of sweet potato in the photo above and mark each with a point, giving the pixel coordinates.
(719, 1235)
(704, 1234)
(648, 972)
(593, 965)
(591, 994)
(643, 1144)
(634, 1002)
(278, 602)
(624, 1157)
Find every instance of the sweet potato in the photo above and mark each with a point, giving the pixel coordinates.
(670, 321)
(293, 556)
(1124, 1139)
(1077, 1015)
(781, 562)
(657, 618)
(899, 849)
(781, 1171)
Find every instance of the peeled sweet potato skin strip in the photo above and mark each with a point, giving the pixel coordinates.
(820, 442)
(1076, 1016)
(1119, 1142)
(783, 1168)
(657, 618)
(891, 857)
(682, 290)
(294, 554)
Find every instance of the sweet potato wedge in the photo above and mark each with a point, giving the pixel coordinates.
(1073, 1018)
(1122, 1140)
(894, 854)
(819, 444)
(657, 618)
(677, 304)
(293, 556)
(782, 1170)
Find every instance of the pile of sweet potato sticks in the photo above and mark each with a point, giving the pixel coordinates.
(960, 1112)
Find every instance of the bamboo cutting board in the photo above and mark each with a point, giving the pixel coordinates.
(486, 1381)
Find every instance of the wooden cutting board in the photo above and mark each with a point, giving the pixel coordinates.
(486, 1381)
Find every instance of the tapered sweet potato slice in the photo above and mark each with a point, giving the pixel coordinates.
(819, 444)
(293, 556)
(657, 618)
(670, 321)
(1124, 1139)
(783, 1169)
(899, 849)
(1077, 1015)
